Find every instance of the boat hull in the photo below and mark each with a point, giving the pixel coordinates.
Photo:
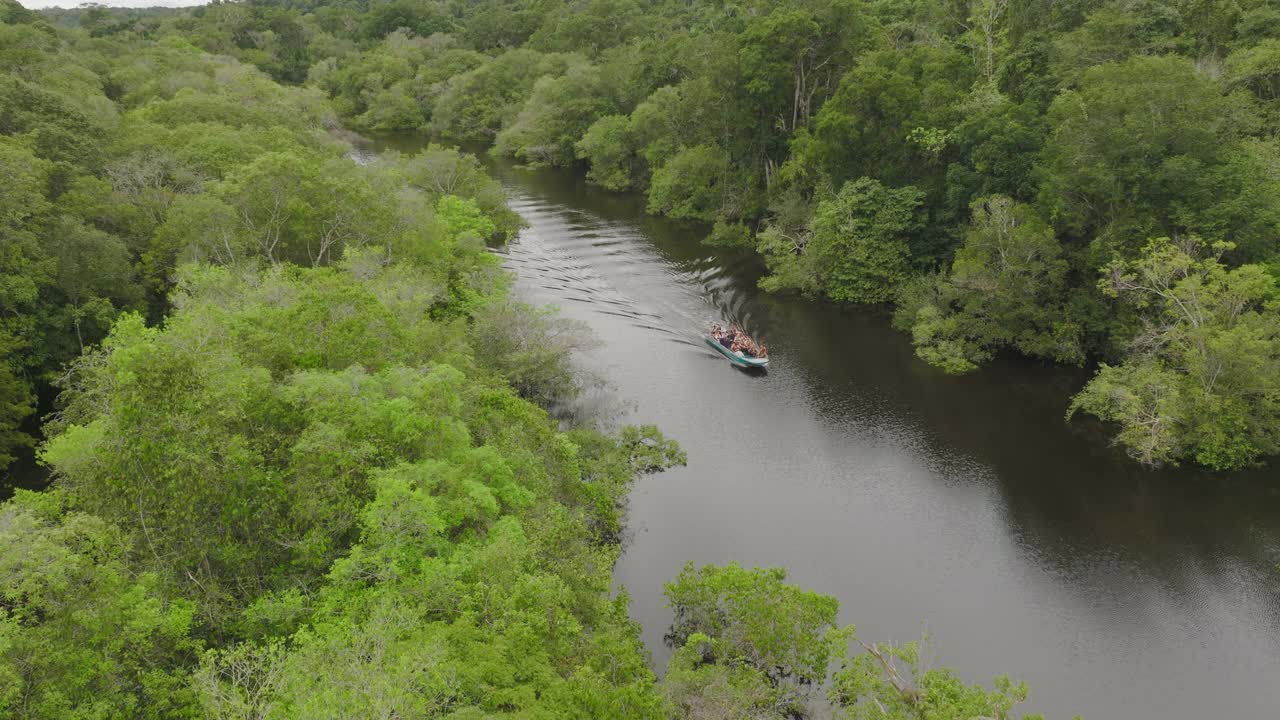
(739, 360)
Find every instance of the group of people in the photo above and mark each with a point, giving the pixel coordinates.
(738, 341)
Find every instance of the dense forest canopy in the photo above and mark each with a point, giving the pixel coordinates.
(983, 165)
(305, 455)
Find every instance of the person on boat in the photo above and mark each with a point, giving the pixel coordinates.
(736, 341)
(722, 336)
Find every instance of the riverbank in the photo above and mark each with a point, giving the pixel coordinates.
(961, 506)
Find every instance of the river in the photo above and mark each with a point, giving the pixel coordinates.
(964, 507)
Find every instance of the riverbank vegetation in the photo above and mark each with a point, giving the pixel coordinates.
(303, 460)
(981, 165)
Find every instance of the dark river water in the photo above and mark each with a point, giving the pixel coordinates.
(964, 507)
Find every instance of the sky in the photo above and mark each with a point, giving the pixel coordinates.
(41, 4)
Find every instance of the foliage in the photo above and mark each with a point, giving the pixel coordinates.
(394, 84)
(1200, 381)
(17, 402)
(889, 682)
(589, 26)
(704, 681)
(555, 116)
(304, 463)
(858, 249)
(438, 172)
(1111, 122)
(335, 450)
(532, 348)
(774, 627)
(725, 234)
(1004, 290)
(608, 146)
(747, 644)
(329, 395)
(475, 105)
(1134, 152)
(692, 185)
(868, 126)
(137, 453)
(82, 635)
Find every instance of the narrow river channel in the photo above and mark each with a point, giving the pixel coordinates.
(961, 507)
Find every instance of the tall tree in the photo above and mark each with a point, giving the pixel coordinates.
(1007, 288)
(1133, 152)
(1202, 379)
(82, 635)
(859, 248)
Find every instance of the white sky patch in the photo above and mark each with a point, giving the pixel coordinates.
(42, 4)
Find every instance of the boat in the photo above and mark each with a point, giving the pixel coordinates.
(737, 358)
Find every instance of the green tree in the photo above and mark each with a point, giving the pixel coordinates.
(1133, 153)
(609, 147)
(532, 349)
(588, 26)
(705, 680)
(1202, 379)
(888, 682)
(56, 129)
(438, 171)
(1117, 32)
(858, 249)
(750, 645)
(695, 184)
(476, 105)
(24, 271)
(1258, 69)
(421, 18)
(677, 117)
(1256, 21)
(867, 127)
(241, 469)
(92, 281)
(995, 148)
(792, 58)
(1006, 289)
(81, 634)
(17, 402)
(12, 12)
(302, 207)
(499, 25)
(23, 48)
(748, 640)
(555, 117)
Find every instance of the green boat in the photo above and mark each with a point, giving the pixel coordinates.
(737, 358)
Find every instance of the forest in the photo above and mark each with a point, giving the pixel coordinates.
(1086, 182)
(305, 451)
